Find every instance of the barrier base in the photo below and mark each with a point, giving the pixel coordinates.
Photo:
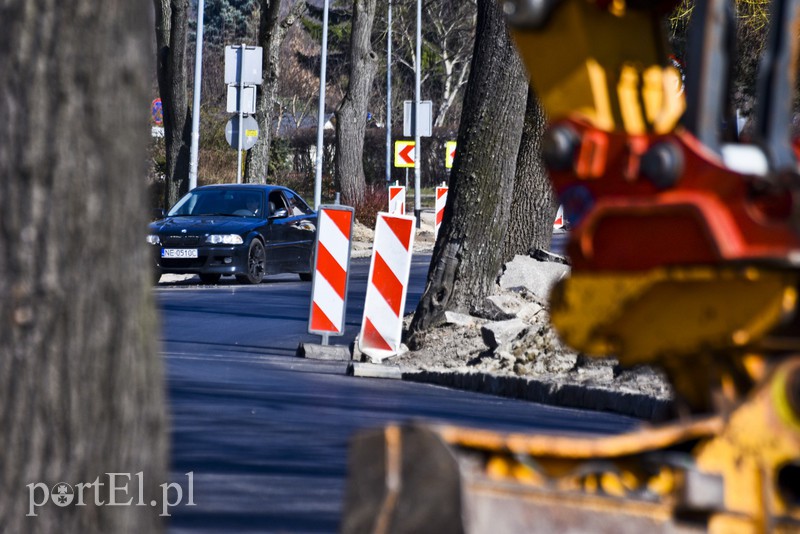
(313, 351)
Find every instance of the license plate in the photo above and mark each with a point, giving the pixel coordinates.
(178, 252)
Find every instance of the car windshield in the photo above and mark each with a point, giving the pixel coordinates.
(220, 202)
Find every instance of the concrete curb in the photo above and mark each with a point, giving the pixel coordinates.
(563, 395)
(554, 394)
(313, 351)
(373, 370)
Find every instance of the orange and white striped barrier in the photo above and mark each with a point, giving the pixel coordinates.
(559, 222)
(387, 285)
(441, 202)
(397, 199)
(331, 269)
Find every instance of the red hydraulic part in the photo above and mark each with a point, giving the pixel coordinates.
(641, 202)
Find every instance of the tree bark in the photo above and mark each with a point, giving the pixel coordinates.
(81, 389)
(351, 118)
(533, 203)
(468, 254)
(270, 37)
(172, 26)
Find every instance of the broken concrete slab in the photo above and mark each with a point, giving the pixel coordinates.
(501, 307)
(546, 255)
(537, 277)
(458, 319)
(530, 312)
(502, 332)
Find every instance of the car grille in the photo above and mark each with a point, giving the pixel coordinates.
(180, 240)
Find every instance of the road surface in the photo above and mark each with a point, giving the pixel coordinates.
(265, 433)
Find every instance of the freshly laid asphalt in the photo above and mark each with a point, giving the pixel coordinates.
(265, 433)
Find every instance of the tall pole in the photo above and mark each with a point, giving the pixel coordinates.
(321, 111)
(417, 144)
(241, 117)
(198, 76)
(389, 97)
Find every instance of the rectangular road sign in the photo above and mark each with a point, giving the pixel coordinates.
(405, 154)
(449, 154)
(248, 99)
(425, 116)
(250, 65)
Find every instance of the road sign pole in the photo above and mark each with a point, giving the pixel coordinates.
(241, 117)
(198, 75)
(389, 96)
(321, 113)
(418, 145)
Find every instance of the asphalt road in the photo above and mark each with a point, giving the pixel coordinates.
(265, 433)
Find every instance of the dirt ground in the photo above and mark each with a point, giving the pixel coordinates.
(511, 334)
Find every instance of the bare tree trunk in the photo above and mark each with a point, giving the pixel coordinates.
(81, 388)
(171, 33)
(468, 254)
(351, 118)
(270, 37)
(533, 205)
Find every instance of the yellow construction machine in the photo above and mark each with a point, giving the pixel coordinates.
(685, 249)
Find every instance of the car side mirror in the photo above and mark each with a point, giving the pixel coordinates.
(279, 214)
(159, 213)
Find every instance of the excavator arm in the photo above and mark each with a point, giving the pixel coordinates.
(685, 251)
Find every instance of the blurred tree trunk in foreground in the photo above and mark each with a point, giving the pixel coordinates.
(81, 388)
(468, 253)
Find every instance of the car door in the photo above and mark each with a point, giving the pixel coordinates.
(302, 229)
(279, 243)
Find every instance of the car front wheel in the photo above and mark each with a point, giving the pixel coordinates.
(256, 264)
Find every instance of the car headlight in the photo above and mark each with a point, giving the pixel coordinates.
(224, 239)
(153, 239)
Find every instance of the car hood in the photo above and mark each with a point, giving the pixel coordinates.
(206, 225)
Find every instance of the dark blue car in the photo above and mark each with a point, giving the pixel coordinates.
(244, 230)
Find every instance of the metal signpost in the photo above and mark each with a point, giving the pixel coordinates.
(242, 75)
(389, 95)
(417, 122)
(321, 111)
(198, 78)
(417, 98)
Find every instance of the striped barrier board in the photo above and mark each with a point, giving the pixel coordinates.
(397, 199)
(382, 324)
(559, 222)
(441, 202)
(331, 270)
